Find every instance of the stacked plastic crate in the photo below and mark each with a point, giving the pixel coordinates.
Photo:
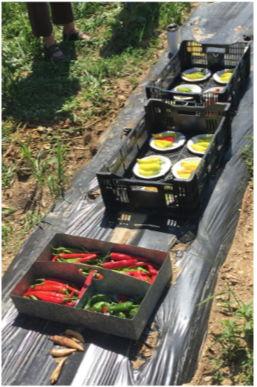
(191, 98)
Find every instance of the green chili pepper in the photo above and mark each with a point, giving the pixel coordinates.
(100, 297)
(87, 307)
(84, 271)
(70, 260)
(67, 250)
(132, 312)
(120, 314)
(123, 307)
(136, 269)
(98, 307)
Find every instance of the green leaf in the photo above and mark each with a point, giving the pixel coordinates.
(210, 298)
(74, 117)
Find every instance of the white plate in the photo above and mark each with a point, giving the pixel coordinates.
(212, 90)
(176, 167)
(193, 70)
(164, 168)
(217, 75)
(193, 140)
(176, 144)
(194, 88)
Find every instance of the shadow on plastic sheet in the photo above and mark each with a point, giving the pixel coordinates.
(140, 221)
(106, 341)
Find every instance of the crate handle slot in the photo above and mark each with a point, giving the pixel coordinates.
(216, 50)
(188, 113)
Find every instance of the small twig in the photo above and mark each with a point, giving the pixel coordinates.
(92, 123)
(9, 149)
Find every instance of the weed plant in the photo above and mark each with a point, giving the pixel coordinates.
(236, 339)
(247, 153)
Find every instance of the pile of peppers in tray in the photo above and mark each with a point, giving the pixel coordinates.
(120, 306)
(53, 290)
(132, 265)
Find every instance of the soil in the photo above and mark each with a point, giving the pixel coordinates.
(237, 272)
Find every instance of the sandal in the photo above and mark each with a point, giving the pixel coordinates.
(73, 36)
(51, 50)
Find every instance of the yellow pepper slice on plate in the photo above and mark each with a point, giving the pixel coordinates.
(163, 144)
(150, 160)
(149, 173)
(150, 167)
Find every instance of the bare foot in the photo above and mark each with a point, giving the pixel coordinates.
(71, 28)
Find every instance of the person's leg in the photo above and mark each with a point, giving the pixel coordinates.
(41, 26)
(62, 14)
(39, 19)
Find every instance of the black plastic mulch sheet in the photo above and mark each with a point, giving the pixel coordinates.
(181, 324)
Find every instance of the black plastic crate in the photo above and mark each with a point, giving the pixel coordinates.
(121, 190)
(215, 57)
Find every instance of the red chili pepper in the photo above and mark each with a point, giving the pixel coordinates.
(86, 284)
(49, 281)
(99, 276)
(136, 264)
(138, 275)
(152, 270)
(144, 274)
(56, 280)
(119, 264)
(131, 273)
(55, 258)
(58, 288)
(171, 139)
(50, 287)
(88, 258)
(56, 298)
(122, 257)
(104, 310)
(72, 303)
(141, 278)
(152, 279)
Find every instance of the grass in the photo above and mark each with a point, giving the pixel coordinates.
(126, 41)
(235, 340)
